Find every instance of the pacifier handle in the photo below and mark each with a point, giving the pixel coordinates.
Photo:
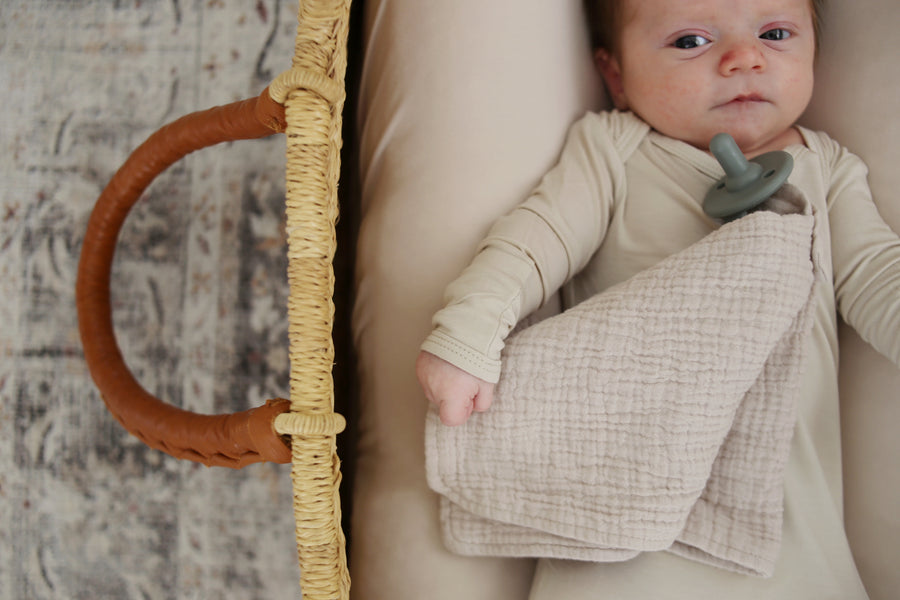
(747, 183)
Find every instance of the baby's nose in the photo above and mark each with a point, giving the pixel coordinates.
(742, 57)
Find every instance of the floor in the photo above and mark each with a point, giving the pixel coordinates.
(86, 511)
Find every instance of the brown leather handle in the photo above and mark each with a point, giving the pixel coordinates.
(231, 440)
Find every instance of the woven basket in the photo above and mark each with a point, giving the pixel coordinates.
(305, 103)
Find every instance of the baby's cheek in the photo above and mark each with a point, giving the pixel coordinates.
(669, 105)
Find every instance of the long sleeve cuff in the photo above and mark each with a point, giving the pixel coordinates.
(458, 354)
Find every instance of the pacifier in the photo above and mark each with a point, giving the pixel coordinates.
(747, 183)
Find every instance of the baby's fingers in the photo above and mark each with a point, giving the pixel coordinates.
(455, 412)
(484, 399)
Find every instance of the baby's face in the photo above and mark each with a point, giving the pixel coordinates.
(694, 68)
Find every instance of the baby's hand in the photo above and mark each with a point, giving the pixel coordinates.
(454, 391)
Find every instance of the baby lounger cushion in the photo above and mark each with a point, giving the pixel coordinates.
(463, 106)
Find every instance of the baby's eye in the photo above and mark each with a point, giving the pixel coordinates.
(775, 35)
(687, 42)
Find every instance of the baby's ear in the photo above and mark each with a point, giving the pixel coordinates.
(608, 67)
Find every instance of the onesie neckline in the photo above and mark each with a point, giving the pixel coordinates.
(706, 162)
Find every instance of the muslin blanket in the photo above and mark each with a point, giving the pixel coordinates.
(657, 415)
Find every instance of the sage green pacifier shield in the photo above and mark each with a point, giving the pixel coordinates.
(747, 183)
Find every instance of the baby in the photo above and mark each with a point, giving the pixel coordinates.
(689, 70)
(627, 192)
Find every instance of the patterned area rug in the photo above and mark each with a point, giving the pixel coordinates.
(199, 286)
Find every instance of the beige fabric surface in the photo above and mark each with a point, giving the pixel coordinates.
(420, 121)
(655, 415)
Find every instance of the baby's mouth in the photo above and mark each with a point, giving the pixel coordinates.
(744, 99)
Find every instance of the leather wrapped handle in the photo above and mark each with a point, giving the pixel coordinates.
(231, 440)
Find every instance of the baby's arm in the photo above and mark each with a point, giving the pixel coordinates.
(526, 257)
(865, 258)
(454, 391)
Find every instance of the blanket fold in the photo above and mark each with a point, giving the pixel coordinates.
(657, 415)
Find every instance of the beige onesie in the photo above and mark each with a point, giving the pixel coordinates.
(597, 218)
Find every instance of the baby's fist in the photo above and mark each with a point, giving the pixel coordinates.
(454, 391)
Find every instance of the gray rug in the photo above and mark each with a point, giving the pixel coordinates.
(86, 511)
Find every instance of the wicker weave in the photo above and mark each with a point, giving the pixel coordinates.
(313, 95)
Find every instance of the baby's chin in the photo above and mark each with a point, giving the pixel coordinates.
(754, 132)
(765, 133)
(751, 138)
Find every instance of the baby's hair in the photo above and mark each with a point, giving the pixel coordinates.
(605, 19)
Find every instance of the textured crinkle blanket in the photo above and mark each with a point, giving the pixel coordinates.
(657, 415)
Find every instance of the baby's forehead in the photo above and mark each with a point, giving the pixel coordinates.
(666, 12)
